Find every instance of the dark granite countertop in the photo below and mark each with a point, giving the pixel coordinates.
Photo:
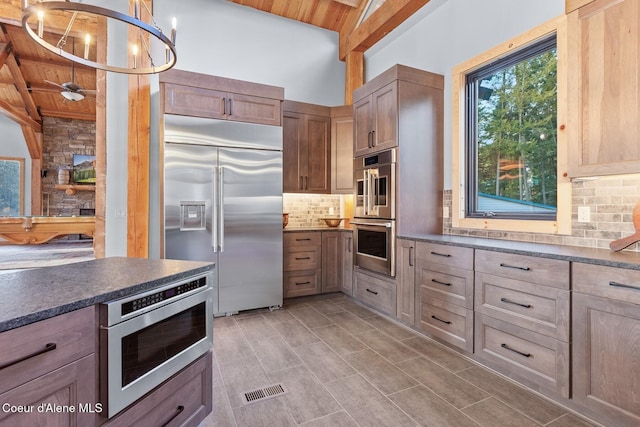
(629, 260)
(37, 294)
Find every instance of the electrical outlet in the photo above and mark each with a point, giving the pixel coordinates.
(584, 214)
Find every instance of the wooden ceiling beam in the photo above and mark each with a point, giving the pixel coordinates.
(11, 13)
(5, 50)
(352, 3)
(18, 116)
(381, 22)
(52, 63)
(21, 86)
(33, 140)
(68, 115)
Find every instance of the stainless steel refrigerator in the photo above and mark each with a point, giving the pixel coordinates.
(223, 203)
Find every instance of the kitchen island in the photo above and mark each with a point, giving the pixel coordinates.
(52, 361)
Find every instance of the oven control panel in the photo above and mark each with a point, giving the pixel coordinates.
(160, 296)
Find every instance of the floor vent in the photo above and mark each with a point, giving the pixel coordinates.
(263, 393)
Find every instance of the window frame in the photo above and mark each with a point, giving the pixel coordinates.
(460, 183)
(20, 161)
(538, 47)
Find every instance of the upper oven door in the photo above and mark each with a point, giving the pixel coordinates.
(375, 192)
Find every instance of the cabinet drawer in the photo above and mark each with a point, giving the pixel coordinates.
(536, 360)
(376, 292)
(299, 283)
(454, 256)
(183, 400)
(298, 258)
(543, 271)
(608, 282)
(24, 349)
(302, 239)
(450, 284)
(448, 322)
(542, 309)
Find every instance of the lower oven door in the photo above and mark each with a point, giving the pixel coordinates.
(144, 351)
(375, 245)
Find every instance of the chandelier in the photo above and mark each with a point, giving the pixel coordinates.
(151, 52)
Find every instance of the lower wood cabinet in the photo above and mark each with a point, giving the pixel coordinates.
(536, 360)
(405, 280)
(317, 262)
(50, 363)
(606, 343)
(376, 291)
(183, 400)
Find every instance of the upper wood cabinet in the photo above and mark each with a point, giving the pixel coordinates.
(604, 88)
(199, 95)
(382, 107)
(376, 120)
(571, 5)
(306, 148)
(342, 150)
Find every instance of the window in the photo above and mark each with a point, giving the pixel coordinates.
(11, 186)
(511, 135)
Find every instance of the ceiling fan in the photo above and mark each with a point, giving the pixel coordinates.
(71, 90)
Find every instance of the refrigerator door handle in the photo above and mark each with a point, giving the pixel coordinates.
(214, 211)
(221, 204)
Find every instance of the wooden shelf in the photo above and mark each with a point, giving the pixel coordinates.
(72, 189)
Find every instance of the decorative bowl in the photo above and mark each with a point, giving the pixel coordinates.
(332, 222)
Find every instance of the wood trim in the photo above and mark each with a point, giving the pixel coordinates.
(381, 22)
(138, 153)
(571, 5)
(33, 140)
(68, 115)
(563, 223)
(36, 187)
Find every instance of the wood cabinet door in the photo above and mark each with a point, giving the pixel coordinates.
(385, 117)
(315, 153)
(342, 154)
(331, 261)
(346, 243)
(292, 131)
(253, 109)
(71, 386)
(405, 280)
(604, 88)
(193, 101)
(606, 353)
(362, 127)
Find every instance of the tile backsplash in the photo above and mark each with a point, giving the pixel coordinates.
(306, 210)
(609, 199)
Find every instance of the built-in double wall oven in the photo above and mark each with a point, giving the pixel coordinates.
(147, 338)
(375, 212)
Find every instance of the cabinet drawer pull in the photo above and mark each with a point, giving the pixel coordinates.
(303, 283)
(439, 254)
(47, 348)
(515, 303)
(224, 106)
(514, 266)
(622, 285)
(179, 410)
(302, 240)
(440, 320)
(372, 292)
(440, 283)
(506, 347)
(301, 258)
(410, 256)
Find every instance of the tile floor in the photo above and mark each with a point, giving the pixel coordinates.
(342, 364)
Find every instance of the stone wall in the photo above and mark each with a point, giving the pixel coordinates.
(62, 138)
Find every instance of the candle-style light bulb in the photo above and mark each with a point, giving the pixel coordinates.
(136, 9)
(134, 50)
(87, 43)
(173, 30)
(25, 4)
(40, 23)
